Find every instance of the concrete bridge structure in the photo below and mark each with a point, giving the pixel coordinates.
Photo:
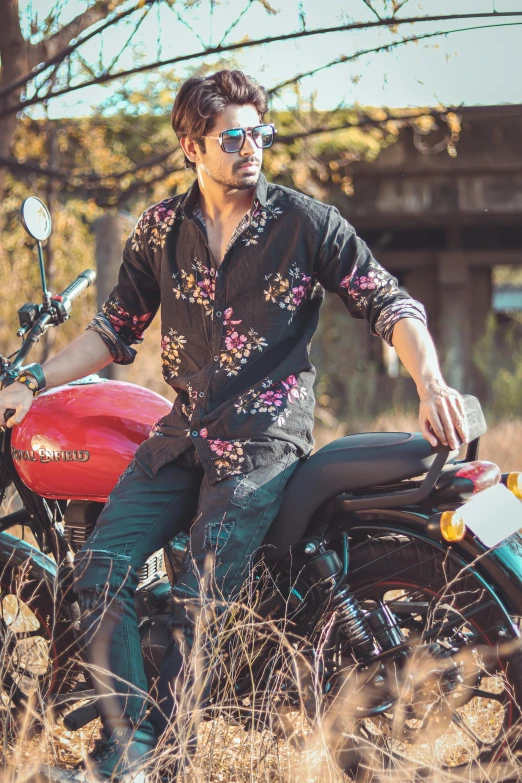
(441, 223)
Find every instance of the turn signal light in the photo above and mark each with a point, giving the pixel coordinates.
(514, 484)
(452, 527)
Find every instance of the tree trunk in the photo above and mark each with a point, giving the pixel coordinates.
(110, 232)
(14, 57)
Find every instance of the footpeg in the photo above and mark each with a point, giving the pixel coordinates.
(81, 716)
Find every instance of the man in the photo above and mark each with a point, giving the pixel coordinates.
(239, 267)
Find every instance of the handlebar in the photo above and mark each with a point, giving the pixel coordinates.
(83, 281)
(58, 313)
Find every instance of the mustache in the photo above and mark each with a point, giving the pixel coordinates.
(243, 162)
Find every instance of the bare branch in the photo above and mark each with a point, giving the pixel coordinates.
(49, 47)
(390, 22)
(368, 4)
(384, 48)
(124, 194)
(129, 39)
(64, 53)
(236, 22)
(186, 24)
(364, 121)
(86, 177)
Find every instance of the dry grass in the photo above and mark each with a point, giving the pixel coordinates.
(289, 750)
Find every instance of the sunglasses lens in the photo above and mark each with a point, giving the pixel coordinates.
(263, 136)
(233, 140)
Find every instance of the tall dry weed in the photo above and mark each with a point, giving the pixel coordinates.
(257, 733)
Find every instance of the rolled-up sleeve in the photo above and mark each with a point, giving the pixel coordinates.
(346, 267)
(133, 302)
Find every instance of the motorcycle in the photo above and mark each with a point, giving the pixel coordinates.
(401, 615)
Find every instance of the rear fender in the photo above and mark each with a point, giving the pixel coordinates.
(18, 554)
(500, 568)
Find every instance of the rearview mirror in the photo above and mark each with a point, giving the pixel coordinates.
(36, 218)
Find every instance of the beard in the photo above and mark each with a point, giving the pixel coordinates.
(236, 180)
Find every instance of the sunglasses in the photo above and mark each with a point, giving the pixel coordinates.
(233, 140)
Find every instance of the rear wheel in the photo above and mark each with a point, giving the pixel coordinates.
(449, 698)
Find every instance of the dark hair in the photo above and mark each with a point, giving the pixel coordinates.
(201, 99)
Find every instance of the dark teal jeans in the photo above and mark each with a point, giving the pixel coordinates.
(140, 517)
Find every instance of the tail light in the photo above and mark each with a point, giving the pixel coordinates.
(462, 481)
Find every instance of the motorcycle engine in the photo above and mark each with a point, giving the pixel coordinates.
(80, 518)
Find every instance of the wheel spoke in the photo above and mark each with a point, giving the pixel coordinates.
(481, 694)
(27, 634)
(458, 719)
(24, 672)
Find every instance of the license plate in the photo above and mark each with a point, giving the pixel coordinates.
(493, 515)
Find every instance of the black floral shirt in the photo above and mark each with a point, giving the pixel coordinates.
(236, 338)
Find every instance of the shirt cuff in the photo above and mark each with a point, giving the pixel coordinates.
(390, 314)
(121, 352)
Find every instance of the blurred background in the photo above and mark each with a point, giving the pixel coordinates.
(407, 116)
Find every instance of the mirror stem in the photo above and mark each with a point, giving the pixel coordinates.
(46, 293)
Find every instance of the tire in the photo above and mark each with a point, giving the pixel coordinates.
(473, 682)
(37, 645)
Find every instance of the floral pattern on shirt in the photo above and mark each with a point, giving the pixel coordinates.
(288, 292)
(361, 286)
(197, 287)
(121, 319)
(286, 233)
(154, 225)
(238, 346)
(226, 454)
(258, 220)
(171, 346)
(187, 409)
(272, 399)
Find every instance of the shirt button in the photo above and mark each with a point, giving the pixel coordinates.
(216, 358)
(202, 394)
(219, 313)
(194, 433)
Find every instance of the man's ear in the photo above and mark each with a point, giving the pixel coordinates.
(189, 147)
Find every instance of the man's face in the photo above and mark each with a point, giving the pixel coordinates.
(235, 170)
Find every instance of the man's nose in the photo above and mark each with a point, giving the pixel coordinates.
(249, 148)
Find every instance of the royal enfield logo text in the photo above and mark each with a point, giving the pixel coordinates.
(46, 455)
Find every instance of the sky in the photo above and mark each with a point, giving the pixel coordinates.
(476, 67)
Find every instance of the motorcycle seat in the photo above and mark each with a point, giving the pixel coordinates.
(344, 465)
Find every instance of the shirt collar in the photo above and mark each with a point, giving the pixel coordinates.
(191, 198)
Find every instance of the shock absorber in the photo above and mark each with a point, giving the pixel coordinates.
(325, 567)
(353, 623)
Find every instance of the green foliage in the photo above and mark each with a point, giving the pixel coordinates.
(73, 251)
(498, 358)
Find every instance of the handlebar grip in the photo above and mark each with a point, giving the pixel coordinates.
(8, 413)
(82, 282)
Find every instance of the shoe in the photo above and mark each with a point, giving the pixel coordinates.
(121, 758)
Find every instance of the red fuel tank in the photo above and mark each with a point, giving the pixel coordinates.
(77, 439)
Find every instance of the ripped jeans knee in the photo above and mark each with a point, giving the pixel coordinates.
(102, 581)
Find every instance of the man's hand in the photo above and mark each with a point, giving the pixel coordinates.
(442, 417)
(17, 396)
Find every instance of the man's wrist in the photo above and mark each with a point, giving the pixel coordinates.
(430, 386)
(33, 377)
